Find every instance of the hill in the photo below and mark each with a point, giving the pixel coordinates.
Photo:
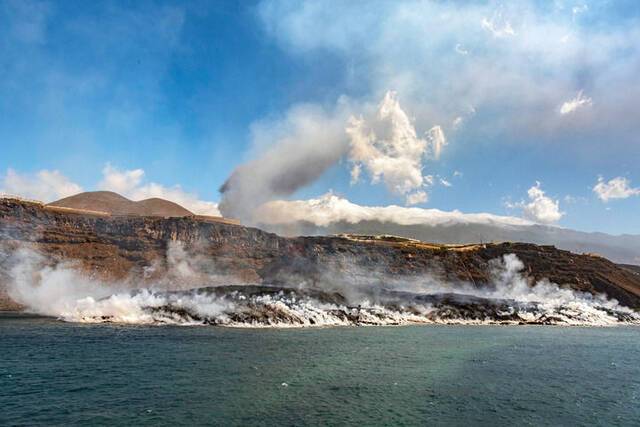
(115, 204)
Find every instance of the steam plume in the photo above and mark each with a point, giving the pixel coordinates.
(62, 291)
(380, 140)
(307, 142)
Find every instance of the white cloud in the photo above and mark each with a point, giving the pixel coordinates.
(445, 182)
(417, 198)
(129, 183)
(498, 27)
(461, 50)
(329, 209)
(386, 145)
(356, 170)
(122, 182)
(616, 188)
(540, 208)
(457, 122)
(573, 104)
(437, 141)
(44, 185)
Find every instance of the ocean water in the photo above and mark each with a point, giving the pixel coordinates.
(58, 373)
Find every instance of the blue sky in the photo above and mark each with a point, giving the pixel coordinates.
(513, 93)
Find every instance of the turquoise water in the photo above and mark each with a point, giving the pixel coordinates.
(55, 373)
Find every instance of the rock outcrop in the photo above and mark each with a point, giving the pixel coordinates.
(135, 248)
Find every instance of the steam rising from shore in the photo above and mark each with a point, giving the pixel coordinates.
(62, 291)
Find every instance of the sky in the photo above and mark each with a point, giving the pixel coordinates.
(520, 111)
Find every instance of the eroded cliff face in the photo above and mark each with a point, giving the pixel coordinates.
(144, 250)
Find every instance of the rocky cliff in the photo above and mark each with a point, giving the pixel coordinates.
(139, 249)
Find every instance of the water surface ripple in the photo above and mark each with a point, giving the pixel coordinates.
(57, 373)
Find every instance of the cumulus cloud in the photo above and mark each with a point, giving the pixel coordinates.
(616, 188)
(129, 183)
(386, 145)
(122, 182)
(330, 208)
(540, 208)
(44, 185)
(572, 105)
(417, 198)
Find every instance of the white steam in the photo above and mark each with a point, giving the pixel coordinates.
(64, 292)
(580, 101)
(51, 290)
(568, 306)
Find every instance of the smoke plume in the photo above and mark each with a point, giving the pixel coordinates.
(292, 153)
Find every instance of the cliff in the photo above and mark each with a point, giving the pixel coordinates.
(135, 248)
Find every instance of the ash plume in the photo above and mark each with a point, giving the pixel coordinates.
(380, 140)
(300, 149)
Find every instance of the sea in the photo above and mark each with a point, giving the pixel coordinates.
(55, 373)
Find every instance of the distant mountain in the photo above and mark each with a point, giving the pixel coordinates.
(622, 249)
(115, 204)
